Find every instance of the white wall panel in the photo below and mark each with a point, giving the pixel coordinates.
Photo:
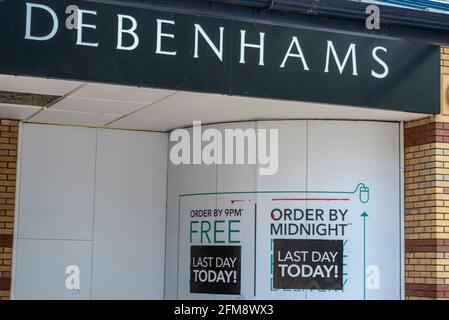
(182, 179)
(240, 178)
(291, 176)
(292, 147)
(64, 172)
(129, 233)
(56, 182)
(41, 266)
(342, 154)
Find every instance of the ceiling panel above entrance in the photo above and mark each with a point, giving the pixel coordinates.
(99, 105)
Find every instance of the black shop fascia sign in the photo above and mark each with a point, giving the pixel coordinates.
(160, 48)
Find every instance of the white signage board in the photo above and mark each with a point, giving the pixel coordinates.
(329, 230)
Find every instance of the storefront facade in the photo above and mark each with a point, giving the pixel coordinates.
(355, 208)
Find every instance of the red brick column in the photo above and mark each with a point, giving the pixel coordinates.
(427, 208)
(8, 159)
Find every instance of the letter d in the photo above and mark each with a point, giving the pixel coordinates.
(28, 35)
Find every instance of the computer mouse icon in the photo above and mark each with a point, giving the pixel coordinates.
(364, 194)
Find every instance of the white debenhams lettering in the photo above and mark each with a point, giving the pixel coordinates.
(81, 26)
(381, 62)
(341, 66)
(200, 30)
(244, 45)
(130, 31)
(300, 55)
(29, 15)
(211, 41)
(161, 35)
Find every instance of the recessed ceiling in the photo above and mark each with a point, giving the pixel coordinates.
(19, 112)
(183, 108)
(73, 118)
(24, 99)
(37, 85)
(121, 93)
(112, 106)
(101, 106)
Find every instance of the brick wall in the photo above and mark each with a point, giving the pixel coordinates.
(427, 201)
(8, 158)
(445, 60)
(427, 208)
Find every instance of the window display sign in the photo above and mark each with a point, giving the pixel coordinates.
(308, 264)
(291, 244)
(315, 240)
(215, 269)
(328, 225)
(216, 246)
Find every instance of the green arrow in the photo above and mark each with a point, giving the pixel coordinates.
(364, 215)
